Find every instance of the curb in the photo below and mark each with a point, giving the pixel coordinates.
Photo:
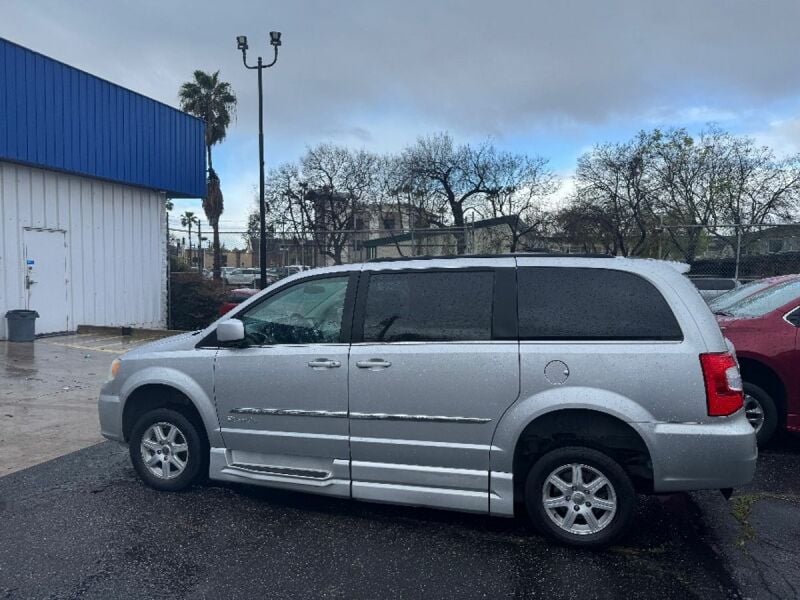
(128, 331)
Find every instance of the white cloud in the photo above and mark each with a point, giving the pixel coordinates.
(782, 135)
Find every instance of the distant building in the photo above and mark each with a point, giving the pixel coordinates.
(85, 168)
(487, 236)
(777, 239)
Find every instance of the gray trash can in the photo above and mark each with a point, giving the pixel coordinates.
(21, 325)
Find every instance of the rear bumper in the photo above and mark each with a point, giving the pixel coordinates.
(109, 409)
(695, 456)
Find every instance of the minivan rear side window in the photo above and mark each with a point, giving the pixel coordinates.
(566, 303)
(429, 306)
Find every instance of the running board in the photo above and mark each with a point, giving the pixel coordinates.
(333, 483)
(286, 471)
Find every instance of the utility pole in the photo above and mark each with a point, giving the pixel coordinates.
(199, 248)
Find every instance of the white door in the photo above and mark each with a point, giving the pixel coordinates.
(46, 278)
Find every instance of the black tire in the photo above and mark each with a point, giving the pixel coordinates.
(769, 409)
(195, 458)
(613, 527)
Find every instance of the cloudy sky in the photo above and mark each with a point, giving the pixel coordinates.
(545, 77)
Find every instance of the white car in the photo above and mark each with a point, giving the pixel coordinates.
(244, 277)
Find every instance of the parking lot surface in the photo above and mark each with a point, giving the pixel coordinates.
(83, 526)
(48, 395)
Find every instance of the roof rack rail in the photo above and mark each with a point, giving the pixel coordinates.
(506, 255)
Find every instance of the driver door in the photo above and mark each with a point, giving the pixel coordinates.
(282, 395)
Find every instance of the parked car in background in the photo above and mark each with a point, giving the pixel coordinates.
(764, 330)
(235, 297)
(292, 269)
(712, 287)
(721, 303)
(273, 275)
(244, 277)
(475, 384)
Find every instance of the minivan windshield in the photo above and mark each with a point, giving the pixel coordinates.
(721, 303)
(766, 300)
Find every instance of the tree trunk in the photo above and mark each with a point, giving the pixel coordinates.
(458, 223)
(514, 241)
(217, 256)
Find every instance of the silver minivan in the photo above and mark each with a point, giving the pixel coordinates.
(554, 386)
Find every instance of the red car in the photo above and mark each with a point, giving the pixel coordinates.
(236, 297)
(764, 329)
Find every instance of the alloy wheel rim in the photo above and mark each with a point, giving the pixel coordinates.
(754, 412)
(165, 450)
(579, 499)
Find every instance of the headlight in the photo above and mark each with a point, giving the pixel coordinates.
(115, 365)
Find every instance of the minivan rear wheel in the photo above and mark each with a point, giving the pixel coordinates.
(167, 450)
(580, 496)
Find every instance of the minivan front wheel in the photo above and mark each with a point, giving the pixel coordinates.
(166, 450)
(580, 496)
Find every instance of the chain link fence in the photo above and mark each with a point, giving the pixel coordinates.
(745, 252)
(737, 252)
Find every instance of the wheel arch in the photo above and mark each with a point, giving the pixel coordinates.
(169, 389)
(758, 372)
(583, 427)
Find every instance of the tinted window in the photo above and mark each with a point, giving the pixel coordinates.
(591, 304)
(429, 306)
(713, 284)
(305, 313)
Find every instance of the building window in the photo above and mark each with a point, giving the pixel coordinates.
(775, 245)
(388, 223)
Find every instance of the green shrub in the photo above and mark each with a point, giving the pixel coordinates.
(194, 301)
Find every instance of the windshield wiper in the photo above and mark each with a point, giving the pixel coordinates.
(722, 313)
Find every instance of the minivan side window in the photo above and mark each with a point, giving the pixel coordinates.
(429, 306)
(563, 303)
(309, 312)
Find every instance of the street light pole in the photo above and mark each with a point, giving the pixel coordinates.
(200, 257)
(241, 42)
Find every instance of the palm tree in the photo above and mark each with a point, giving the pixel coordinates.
(212, 100)
(187, 220)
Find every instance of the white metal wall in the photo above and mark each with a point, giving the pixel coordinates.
(116, 262)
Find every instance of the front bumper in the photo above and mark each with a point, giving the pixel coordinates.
(109, 409)
(699, 456)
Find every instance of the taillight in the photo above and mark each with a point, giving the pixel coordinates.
(723, 384)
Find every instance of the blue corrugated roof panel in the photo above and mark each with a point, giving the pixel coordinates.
(58, 117)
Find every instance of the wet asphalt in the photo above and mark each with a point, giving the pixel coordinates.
(83, 526)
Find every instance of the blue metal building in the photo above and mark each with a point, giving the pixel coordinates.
(85, 169)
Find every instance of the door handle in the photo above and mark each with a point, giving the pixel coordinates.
(324, 363)
(373, 364)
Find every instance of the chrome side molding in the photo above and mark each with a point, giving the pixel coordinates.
(285, 412)
(422, 418)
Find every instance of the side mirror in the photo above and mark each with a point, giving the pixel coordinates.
(231, 330)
